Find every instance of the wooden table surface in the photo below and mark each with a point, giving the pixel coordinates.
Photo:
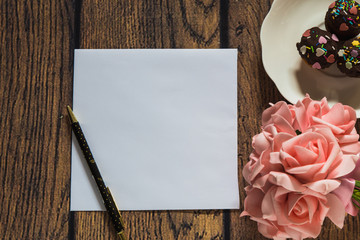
(38, 39)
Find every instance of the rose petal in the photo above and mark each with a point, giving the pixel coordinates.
(280, 108)
(271, 229)
(349, 138)
(351, 209)
(351, 148)
(280, 204)
(312, 204)
(275, 158)
(286, 181)
(251, 170)
(294, 234)
(307, 173)
(252, 204)
(333, 128)
(336, 211)
(323, 186)
(279, 139)
(332, 157)
(316, 108)
(305, 156)
(336, 115)
(326, 133)
(302, 140)
(309, 230)
(345, 166)
(288, 160)
(293, 202)
(267, 230)
(301, 119)
(355, 174)
(262, 183)
(267, 206)
(260, 143)
(282, 124)
(344, 193)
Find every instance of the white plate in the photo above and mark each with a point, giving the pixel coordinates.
(280, 31)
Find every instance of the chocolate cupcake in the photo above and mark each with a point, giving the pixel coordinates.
(343, 19)
(349, 58)
(318, 48)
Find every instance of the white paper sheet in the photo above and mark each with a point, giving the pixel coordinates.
(162, 126)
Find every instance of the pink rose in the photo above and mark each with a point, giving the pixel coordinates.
(277, 118)
(287, 209)
(280, 116)
(302, 169)
(259, 164)
(301, 214)
(312, 156)
(306, 109)
(252, 205)
(340, 119)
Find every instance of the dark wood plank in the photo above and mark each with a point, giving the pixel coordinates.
(256, 90)
(152, 225)
(150, 24)
(35, 87)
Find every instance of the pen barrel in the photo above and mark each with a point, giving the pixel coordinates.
(109, 202)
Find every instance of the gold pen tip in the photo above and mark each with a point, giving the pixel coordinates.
(121, 235)
(71, 114)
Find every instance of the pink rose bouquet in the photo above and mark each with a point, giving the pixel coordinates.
(304, 167)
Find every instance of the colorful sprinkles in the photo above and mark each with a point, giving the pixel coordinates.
(350, 54)
(347, 10)
(344, 5)
(339, 43)
(318, 48)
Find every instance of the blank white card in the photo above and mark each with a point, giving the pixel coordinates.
(162, 127)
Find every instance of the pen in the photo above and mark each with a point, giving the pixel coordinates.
(108, 200)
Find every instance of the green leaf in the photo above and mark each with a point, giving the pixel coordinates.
(357, 198)
(356, 204)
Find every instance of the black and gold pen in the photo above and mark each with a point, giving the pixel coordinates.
(109, 202)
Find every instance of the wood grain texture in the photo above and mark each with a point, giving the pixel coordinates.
(151, 225)
(150, 24)
(36, 58)
(256, 90)
(35, 86)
